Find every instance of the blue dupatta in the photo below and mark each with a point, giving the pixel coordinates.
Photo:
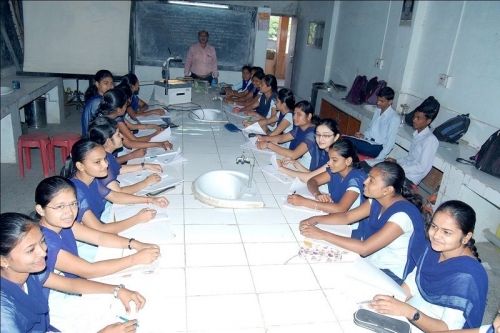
(458, 283)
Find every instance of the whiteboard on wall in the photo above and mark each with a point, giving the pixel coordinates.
(76, 37)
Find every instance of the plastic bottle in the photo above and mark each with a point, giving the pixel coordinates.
(215, 81)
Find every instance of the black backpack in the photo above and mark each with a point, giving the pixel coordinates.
(488, 157)
(453, 129)
(430, 103)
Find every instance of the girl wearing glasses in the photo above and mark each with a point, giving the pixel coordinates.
(327, 133)
(57, 207)
(448, 288)
(103, 131)
(344, 180)
(84, 167)
(301, 138)
(391, 229)
(25, 277)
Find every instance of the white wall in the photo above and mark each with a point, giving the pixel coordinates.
(309, 63)
(464, 45)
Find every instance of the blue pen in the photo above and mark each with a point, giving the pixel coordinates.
(126, 320)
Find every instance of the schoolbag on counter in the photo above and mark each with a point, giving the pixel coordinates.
(453, 129)
(354, 96)
(371, 97)
(429, 104)
(488, 157)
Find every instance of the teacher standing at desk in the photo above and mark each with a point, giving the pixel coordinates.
(201, 60)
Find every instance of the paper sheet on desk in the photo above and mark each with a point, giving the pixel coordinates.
(121, 212)
(157, 231)
(162, 136)
(167, 180)
(273, 172)
(250, 144)
(254, 128)
(364, 271)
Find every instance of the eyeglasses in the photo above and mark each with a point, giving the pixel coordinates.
(72, 205)
(325, 136)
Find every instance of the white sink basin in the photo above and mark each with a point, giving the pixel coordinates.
(226, 188)
(5, 90)
(208, 116)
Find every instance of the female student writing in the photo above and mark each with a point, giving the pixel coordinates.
(24, 305)
(301, 137)
(249, 90)
(86, 164)
(246, 81)
(285, 102)
(138, 106)
(104, 132)
(266, 110)
(326, 134)
(448, 288)
(250, 100)
(344, 179)
(103, 81)
(114, 105)
(392, 234)
(57, 207)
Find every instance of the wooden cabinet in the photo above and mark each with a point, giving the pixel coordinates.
(347, 124)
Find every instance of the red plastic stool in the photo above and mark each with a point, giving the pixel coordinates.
(65, 141)
(34, 140)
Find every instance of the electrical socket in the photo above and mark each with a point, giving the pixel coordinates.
(443, 80)
(379, 63)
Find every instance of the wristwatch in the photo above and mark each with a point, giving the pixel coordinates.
(415, 317)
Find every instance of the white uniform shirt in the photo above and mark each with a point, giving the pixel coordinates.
(454, 318)
(418, 162)
(383, 130)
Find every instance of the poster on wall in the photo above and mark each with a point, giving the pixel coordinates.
(406, 12)
(263, 22)
(315, 34)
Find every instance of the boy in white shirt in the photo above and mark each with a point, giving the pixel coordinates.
(423, 148)
(382, 130)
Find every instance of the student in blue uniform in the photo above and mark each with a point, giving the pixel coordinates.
(114, 105)
(344, 179)
(137, 106)
(244, 85)
(104, 132)
(24, 305)
(285, 102)
(250, 100)
(84, 167)
(302, 137)
(448, 288)
(250, 88)
(266, 110)
(103, 81)
(327, 133)
(391, 229)
(57, 207)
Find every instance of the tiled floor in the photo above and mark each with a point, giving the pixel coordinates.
(229, 270)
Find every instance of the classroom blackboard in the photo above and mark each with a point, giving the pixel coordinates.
(160, 27)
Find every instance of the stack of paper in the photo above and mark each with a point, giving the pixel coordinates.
(254, 128)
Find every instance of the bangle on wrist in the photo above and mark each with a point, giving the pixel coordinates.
(130, 243)
(117, 289)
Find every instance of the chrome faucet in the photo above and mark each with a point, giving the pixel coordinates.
(165, 70)
(242, 160)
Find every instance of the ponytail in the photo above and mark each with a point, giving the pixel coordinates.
(471, 245)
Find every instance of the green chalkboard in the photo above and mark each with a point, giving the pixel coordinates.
(160, 27)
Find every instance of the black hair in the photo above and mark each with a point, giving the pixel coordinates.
(247, 67)
(387, 93)
(394, 175)
(48, 188)
(429, 113)
(259, 75)
(346, 149)
(13, 227)
(331, 124)
(126, 88)
(78, 153)
(465, 216)
(270, 80)
(102, 129)
(92, 89)
(286, 96)
(130, 79)
(257, 69)
(113, 99)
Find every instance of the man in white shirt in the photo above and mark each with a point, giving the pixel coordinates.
(418, 162)
(378, 140)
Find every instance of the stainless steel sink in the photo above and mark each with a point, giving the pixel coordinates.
(226, 188)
